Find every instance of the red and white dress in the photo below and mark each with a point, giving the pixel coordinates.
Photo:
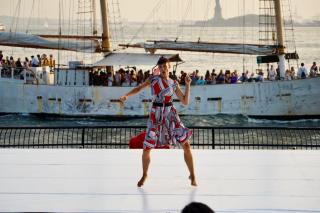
(164, 125)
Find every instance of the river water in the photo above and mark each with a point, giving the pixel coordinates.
(213, 120)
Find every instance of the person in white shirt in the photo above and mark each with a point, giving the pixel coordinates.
(302, 72)
(34, 61)
(272, 73)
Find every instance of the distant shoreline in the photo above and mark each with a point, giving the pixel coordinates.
(252, 20)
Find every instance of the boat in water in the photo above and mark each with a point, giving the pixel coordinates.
(68, 91)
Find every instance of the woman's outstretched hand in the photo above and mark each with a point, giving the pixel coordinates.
(123, 98)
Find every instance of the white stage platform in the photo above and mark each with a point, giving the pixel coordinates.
(105, 181)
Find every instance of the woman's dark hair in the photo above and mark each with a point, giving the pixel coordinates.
(162, 60)
(196, 207)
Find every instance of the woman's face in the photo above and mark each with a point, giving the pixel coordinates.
(164, 69)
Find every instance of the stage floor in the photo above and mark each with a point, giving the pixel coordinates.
(105, 181)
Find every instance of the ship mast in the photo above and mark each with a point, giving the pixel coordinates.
(106, 43)
(94, 15)
(279, 24)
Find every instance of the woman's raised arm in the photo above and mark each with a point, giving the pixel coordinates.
(135, 90)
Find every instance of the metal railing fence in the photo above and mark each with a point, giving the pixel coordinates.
(117, 137)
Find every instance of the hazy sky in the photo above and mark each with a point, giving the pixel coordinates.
(140, 10)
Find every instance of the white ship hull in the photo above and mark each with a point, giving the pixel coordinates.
(278, 99)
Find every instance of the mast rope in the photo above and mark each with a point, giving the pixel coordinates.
(205, 19)
(157, 6)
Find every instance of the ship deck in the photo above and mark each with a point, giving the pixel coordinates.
(52, 180)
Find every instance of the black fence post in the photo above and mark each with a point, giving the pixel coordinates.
(82, 137)
(213, 139)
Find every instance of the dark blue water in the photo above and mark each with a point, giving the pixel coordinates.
(214, 120)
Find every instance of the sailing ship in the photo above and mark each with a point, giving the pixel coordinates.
(66, 91)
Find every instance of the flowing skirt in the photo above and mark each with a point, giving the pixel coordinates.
(165, 128)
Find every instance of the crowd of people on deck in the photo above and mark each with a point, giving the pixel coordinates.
(18, 64)
(133, 77)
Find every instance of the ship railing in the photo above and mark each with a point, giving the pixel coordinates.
(118, 137)
(10, 72)
(26, 74)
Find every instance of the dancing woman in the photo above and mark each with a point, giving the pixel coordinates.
(164, 125)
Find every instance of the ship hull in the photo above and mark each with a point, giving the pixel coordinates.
(276, 100)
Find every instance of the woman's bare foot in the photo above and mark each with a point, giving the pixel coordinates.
(141, 181)
(193, 180)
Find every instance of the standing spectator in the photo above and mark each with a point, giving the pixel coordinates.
(201, 81)
(197, 75)
(26, 59)
(110, 79)
(18, 63)
(244, 77)
(220, 78)
(252, 78)
(272, 74)
(302, 72)
(213, 78)
(227, 78)
(12, 63)
(39, 60)
(52, 62)
(146, 75)
(126, 82)
(207, 75)
(117, 78)
(234, 77)
(260, 76)
(140, 77)
(288, 75)
(133, 78)
(34, 61)
(183, 77)
(314, 70)
(194, 78)
(213, 73)
(292, 73)
(44, 60)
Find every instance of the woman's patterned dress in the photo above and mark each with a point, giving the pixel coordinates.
(164, 125)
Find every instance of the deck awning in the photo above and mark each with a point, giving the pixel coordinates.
(134, 59)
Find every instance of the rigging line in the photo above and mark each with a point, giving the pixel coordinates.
(115, 31)
(243, 33)
(29, 18)
(121, 32)
(59, 39)
(180, 29)
(38, 16)
(205, 19)
(158, 5)
(16, 16)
